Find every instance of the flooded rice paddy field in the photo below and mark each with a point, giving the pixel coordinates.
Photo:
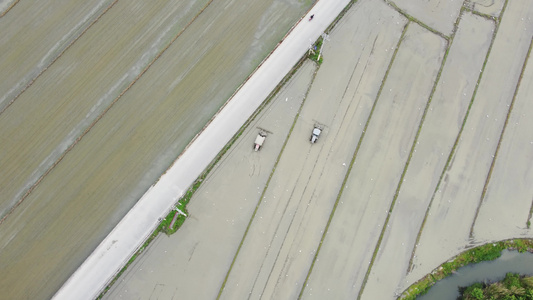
(426, 152)
(97, 99)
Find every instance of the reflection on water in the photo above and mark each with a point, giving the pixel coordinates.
(510, 261)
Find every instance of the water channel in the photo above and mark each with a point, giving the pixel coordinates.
(509, 261)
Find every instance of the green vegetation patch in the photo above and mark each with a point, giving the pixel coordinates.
(179, 214)
(485, 252)
(314, 52)
(164, 226)
(512, 287)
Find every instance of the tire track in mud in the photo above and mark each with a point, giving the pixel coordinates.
(284, 237)
(32, 80)
(415, 20)
(88, 129)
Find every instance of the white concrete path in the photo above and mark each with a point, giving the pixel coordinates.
(116, 249)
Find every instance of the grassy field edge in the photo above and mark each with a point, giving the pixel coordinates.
(486, 252)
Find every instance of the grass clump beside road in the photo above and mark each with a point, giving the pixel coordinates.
(512, 287)
(314, 52)
(485, 252)
(181, 206)
(164, 226)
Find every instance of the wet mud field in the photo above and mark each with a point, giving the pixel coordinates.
(426, 152)
(97, 99)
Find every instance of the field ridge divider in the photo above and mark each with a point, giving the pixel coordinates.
(415, 20)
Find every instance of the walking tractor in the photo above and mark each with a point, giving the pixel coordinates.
(259, 140)
(317, 130)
